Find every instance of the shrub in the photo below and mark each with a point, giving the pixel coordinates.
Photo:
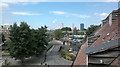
(66, 55)
(5, 53)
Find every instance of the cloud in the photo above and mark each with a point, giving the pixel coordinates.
(67, 14)
(23, 13)
(54, 21)
(58, 12)
(80, 16)
(101, 14)
(3, 6)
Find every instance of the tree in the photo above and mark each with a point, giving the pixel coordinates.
(50, 35)
(26, 42)
(3, 38)
(81, 33)
(20, 37)
(66, 29)
(75, 31)
(91, 29)
(58, 34)
(43, 35)
(39, 40)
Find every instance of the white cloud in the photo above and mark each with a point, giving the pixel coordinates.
(80, 16)
(24, 13)
(54, 21)
(67, 14)
(101, 14)
(3, 6)
(58, 12)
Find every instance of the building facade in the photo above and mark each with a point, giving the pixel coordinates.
(81, 26)
(5, 30)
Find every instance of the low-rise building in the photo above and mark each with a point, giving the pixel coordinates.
(103, 50)
(5, 30)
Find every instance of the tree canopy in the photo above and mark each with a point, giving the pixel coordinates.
(91, 29)
(58, 34)
(75, 31)
(3, 38)
(66, 29)
(27, 42)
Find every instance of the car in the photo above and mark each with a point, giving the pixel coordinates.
(70, 50)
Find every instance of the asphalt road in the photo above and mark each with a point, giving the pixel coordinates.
(53, 57)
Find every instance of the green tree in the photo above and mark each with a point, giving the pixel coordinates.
(40, 40)
(81, 32)
(58, 34)
(3, 38)
(66, 29)
(20, 37)
(50, 35)
(91, 29)
(75, 31)
(26, 42)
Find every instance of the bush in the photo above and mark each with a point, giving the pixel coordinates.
(66, 55)
(63, 52)
(72, 56)
(5, 53)
(8, 43)
(61, 40)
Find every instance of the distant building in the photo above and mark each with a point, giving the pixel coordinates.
(5, 30)
(81, 26)
(62, 25)
(72, 27)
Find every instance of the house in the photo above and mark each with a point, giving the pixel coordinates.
(103, 48)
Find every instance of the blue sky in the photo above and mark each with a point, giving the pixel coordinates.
(52, 14)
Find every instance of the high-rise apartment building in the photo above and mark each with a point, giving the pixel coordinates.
(81, 26)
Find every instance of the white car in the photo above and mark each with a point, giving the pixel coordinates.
(70, 50)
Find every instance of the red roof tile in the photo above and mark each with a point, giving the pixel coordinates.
(81, 57)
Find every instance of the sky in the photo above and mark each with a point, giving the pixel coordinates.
(52, 13)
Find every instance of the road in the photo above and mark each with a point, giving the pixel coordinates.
(53, 57)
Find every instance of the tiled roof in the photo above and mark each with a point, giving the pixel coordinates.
(81, 58)
(109, 32)
(103, 47)
(107, 40)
